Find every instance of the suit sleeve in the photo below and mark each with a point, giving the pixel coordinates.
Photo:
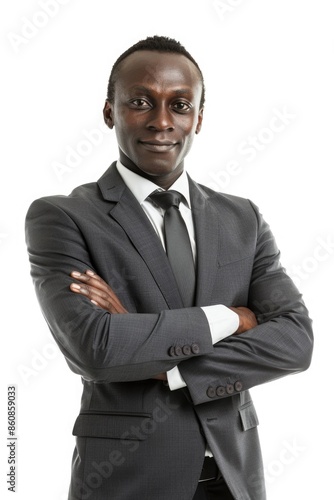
(280, 345)
(100, 346)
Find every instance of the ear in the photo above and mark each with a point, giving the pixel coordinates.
(199, 122)
(108, 114)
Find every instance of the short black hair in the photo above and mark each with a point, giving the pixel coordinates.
(154, 43)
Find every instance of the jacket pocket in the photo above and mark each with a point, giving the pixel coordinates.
(113, 425)
(248, 416)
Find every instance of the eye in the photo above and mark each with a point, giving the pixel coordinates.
(140, 103)
(181, 106)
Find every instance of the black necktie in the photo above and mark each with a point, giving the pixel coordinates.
(177, 242)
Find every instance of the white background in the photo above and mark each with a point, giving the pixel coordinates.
(259, 57)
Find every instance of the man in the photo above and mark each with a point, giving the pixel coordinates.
(167, 352)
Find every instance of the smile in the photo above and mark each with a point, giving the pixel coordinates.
(158, 147)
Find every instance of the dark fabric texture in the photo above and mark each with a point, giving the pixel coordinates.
(135, 438)
(213, 490)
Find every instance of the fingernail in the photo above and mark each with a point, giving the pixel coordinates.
(94, 302)
(75, 286)
(75, 274)
(90, 273)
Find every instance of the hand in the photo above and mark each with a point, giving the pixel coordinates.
(98, 291)
(160, 376)
(247, 319)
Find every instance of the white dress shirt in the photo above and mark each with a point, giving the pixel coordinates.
(222, 320)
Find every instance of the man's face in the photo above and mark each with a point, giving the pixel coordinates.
(156, 113)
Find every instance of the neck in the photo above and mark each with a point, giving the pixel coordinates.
(164, 179)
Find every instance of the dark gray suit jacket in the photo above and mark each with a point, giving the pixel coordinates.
(136, 439)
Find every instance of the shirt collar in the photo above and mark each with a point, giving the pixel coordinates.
(141, 188)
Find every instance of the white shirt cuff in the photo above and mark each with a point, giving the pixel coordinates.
(175, 379)
(222, 321)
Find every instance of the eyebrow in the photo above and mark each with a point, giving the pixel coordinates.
(146, 90)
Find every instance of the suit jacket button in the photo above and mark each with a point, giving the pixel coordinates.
(211, 393)
(229, 389)
(171, 351)
(220, 391)
(186, 350)
(195, 348)
(238, 386)
(178, 350)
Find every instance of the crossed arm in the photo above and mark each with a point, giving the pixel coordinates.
(101, 294)
(105, 342)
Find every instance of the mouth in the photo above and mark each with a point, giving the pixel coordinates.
(158, 146)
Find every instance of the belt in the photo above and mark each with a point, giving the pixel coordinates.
(209, 470)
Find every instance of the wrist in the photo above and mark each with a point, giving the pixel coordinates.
(240, 324)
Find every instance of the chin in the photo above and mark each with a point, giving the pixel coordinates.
(158, 168)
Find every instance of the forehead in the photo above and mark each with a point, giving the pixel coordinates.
(158, 70)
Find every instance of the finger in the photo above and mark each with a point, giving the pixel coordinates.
(106, 304)
(94, 294)
(97, 282)
(99, 298)
(90, 278)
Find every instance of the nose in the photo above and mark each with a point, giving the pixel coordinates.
(161, 118)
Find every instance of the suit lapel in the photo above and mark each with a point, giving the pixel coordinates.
(130, 216)
(207, 238)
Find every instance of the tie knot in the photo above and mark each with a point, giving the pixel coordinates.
(166, 199)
